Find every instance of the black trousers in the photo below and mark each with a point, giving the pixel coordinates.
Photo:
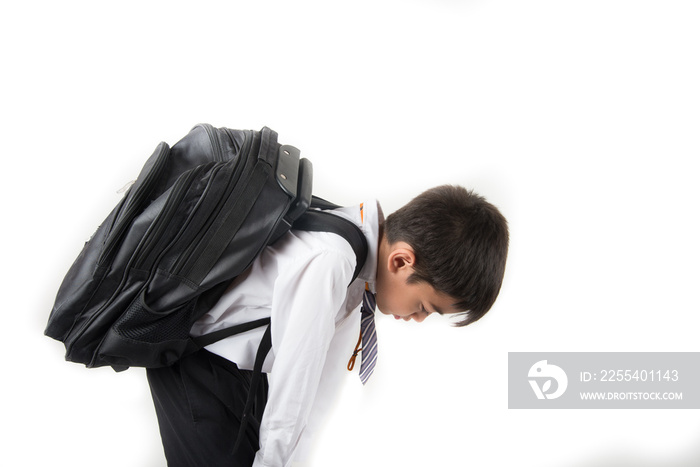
(199, 403)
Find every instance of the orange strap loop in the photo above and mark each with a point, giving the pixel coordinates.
(351, 362)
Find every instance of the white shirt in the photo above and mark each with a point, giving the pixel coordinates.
(301, 283)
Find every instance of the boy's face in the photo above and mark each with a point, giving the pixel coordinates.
(395, 296)
(412, 301)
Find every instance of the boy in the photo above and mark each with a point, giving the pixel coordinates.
(444, 252)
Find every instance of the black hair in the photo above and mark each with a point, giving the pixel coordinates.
(460, 242)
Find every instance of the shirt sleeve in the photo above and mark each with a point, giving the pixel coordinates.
(305, 302)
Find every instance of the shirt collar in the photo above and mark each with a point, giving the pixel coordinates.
(369, 217)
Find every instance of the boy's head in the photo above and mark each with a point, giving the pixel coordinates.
(447, 239)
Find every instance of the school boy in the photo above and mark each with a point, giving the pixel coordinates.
(444, 252)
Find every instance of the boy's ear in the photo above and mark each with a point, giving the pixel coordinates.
(401, 258)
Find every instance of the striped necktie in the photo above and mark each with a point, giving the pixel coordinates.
(369, 336)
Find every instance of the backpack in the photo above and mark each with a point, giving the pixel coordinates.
(196, 217)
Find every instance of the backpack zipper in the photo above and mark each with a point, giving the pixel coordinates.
(214, 172)
(161, 222)
(239, 168)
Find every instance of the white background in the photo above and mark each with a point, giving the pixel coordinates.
(579, 120)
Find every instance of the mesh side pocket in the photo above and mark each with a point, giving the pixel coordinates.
(142, 324)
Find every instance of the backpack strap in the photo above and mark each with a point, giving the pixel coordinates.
(323, 221)
(253, 393)
(320, 203)
(216, 336)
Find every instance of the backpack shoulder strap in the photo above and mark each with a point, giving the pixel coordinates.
(320, 203)
(323, 221)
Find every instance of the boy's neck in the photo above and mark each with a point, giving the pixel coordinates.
(383, 249)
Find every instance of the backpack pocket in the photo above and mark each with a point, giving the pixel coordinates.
(146, 337)
(134, 202)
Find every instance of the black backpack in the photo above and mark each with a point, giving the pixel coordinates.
(197, 216)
